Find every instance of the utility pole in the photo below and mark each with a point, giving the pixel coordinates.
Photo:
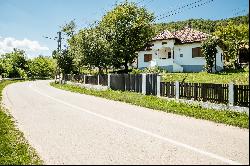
(59, 48)
(59, 42)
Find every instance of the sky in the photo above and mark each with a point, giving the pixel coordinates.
(24, 23)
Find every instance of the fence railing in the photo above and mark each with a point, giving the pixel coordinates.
(168, 89)
(216, 93)
(91, 79)
(241, 95)
(103, 80)
(150, 84)
(126, 82)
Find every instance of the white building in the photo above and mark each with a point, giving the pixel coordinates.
(177, 52)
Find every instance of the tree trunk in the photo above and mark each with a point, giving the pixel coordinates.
(100, 70)
(126, 67)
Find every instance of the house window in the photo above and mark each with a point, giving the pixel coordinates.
(147, 57)
(181, 55)
(196, 52)
(169, 55)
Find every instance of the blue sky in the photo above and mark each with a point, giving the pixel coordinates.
(23, 23)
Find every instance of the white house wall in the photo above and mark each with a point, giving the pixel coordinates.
(158, 44)
(141, 63)
(188, 63)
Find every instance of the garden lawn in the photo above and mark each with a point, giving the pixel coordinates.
(239, 78)
(153, 102)
(14, 149)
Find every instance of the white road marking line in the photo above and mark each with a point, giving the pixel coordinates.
(208, 154)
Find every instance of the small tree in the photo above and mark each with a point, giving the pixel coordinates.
(209, 51)
(41, 67)
(233, 37)
(64, 61)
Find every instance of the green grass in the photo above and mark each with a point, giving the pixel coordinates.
(153, 102)
(14, 149)
(240, 77)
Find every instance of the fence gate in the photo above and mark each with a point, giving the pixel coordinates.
(151, 84)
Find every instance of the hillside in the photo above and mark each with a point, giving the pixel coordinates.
(203, 25)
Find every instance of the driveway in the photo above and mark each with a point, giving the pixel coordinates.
(71, 128)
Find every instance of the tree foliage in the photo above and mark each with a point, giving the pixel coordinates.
(13, 64)
(64, 61)
(233, 37)
(208, 26)
(41, 67)
(93, 48)
(209, 51)
(127, 28)
(16, 65)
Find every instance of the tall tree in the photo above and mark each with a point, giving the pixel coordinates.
(93, 47)
(127, 28)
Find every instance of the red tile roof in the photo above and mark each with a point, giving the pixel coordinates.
(189, 35)
(164, 35)
(186, 35)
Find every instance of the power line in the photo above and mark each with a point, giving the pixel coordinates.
(140, 2)
(239, 12)
(182, 7)
(147, 3)
(59, 40)
(180, 11)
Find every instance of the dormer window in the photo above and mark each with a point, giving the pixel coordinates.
(163, 43)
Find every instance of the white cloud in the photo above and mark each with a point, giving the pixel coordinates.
(7, 45)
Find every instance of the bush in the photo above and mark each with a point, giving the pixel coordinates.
(149, 70)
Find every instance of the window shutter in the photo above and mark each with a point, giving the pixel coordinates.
(196, 52)
(147, 57)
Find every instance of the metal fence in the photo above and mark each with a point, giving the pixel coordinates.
(126, 82)
(215, 93)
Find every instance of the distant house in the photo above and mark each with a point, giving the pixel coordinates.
(179, 51)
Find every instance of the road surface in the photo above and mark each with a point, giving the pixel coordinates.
(71, 128)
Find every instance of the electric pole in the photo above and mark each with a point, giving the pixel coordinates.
(59, 48)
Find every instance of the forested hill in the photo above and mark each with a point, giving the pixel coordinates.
(207, 26)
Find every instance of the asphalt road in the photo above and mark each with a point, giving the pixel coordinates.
(71, 128)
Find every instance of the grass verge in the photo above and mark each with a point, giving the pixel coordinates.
(240, 77)
(14, 149)
(153, 102)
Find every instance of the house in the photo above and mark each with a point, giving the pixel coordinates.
(179, 51)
